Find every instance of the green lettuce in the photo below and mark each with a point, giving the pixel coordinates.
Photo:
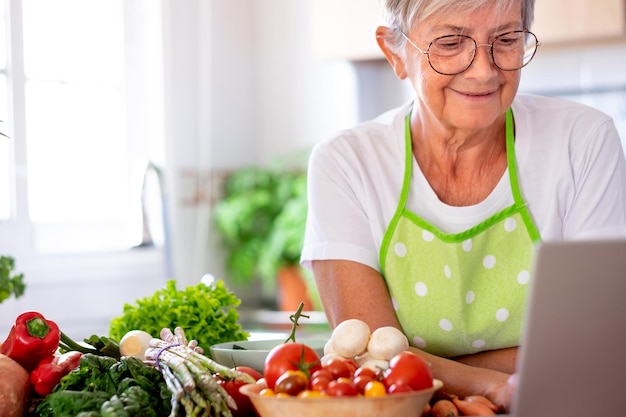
(207, 313)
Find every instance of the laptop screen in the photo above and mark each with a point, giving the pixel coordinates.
(572, 361)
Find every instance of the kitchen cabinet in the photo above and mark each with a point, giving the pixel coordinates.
(574, 21)
(345, 29)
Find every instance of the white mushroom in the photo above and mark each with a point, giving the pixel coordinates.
(386, 342)
(374, 364)
(328, 347)
(350, 338)
(327, 358)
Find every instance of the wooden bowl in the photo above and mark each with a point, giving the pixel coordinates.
(406, 404)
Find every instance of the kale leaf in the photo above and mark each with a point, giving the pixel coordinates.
(105, 387)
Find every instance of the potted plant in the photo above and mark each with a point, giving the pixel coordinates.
(261, 218)
(11, 283)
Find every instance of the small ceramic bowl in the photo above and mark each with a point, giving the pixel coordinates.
(252, 353)
(405, 404)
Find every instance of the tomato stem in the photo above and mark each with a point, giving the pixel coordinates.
(294, 322)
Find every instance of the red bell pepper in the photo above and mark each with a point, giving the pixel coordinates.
(50, 371)
(31, 339)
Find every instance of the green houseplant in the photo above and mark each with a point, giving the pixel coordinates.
(261, 218)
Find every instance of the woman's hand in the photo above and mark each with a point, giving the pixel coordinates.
(503, 394)
(480, 378)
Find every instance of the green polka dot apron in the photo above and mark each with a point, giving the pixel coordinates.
(462, 293)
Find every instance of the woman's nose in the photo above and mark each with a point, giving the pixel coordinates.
(483, 60)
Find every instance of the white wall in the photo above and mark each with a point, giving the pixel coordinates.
(269, 96)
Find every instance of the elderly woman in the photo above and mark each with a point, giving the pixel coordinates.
(426, 217)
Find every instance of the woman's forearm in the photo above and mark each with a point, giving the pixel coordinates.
(503, 360)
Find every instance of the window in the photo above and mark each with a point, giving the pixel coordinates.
(81, 99)
(5, 144)
(85, 137)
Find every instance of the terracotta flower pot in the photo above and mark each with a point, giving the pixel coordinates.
(293, 290)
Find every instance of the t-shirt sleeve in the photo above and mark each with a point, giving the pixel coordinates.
(337, 223)
(598, 208)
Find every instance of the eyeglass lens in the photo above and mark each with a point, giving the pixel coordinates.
(453, 54)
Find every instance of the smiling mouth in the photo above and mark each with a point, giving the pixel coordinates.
(484, 94)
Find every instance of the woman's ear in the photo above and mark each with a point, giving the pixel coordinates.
(394, 60)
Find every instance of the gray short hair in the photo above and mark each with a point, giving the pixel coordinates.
(404, 15)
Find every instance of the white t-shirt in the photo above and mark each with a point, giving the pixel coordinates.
(571, 168)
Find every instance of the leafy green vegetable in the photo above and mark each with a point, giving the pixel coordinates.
(72, 403)
(105, 387)
(206, 314)
(10, 284)
(100, 345)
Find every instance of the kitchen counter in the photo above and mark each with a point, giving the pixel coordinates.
(271, 324)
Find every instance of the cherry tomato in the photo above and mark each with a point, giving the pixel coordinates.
(366, 371)
(375, 389)
(250, 371)
(319, 382)
(361, 381)
(307, 393)
(339, 368)
(324, 373)
(266, 392)
(341, 387)
(352, 365)
(291, 382)
(408, 369)
(244, 404)
(290, 356)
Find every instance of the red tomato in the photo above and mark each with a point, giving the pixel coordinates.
(244, 404)
(339, 368)
(341, 387)
(290, 356)
(320, 382)
(361, 381)
(322, 373)
(250, 371)
(352, 365)
(408, 369)
(365, 371)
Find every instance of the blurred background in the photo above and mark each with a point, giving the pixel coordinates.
(132, 123)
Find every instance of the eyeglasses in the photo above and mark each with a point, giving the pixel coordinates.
(453, 54)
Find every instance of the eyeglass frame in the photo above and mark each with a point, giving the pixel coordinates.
(476, 46)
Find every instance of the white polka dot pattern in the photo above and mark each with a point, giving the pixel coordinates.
(421, 289)
(400, 249)
(445, 324)
(473, 297)
(489, 262)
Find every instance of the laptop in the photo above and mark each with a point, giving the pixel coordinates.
(572, 362)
